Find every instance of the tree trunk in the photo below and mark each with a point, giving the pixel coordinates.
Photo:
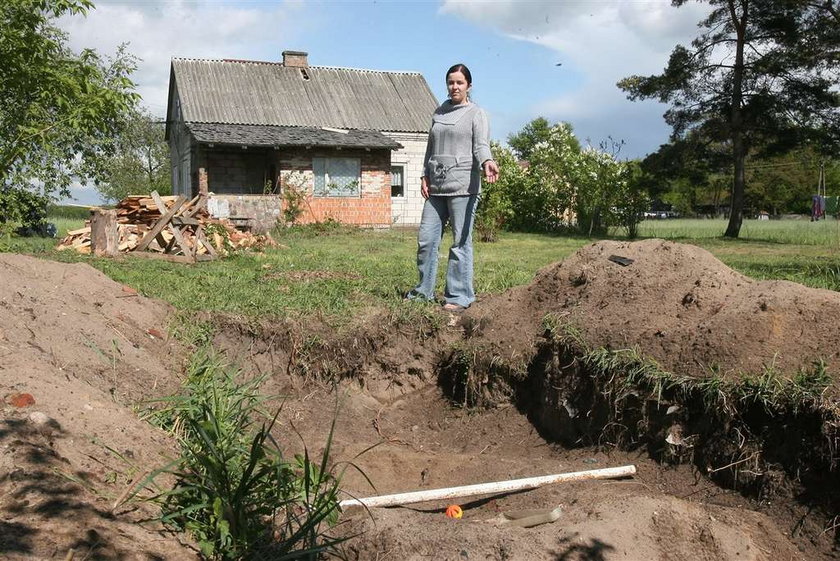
(104, 234)
(739, 152)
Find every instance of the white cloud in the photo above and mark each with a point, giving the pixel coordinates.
(601, 42)
(159, 30)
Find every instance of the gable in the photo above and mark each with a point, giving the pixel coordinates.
(262, 93)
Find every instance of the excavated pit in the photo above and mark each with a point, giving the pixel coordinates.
(699, 376)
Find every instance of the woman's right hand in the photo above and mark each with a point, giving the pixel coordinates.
(424, 187)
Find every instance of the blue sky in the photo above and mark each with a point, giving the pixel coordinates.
(512, 47)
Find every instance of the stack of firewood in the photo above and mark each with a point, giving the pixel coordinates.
(137, 216)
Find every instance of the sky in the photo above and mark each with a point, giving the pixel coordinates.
(559, 59)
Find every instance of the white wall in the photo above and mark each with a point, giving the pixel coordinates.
(406, 211)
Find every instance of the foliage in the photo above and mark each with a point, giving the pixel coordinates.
(786, 182)
(140, 159)
(601, 189)
(524, 141)
(23, 207)
(295, 196)
(59, 111)
(566, 185)
(495, 208)
(633, 200)
(234, 492)
(543, 202)
(690, 173)
(760, 75)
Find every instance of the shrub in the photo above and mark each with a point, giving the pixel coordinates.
(23, 207)
(234, 492)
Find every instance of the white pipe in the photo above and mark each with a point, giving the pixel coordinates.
(488, 488)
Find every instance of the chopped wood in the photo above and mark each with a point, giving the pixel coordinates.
(171, 226)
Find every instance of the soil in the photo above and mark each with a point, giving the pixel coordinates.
(678, 304)
(87, 350)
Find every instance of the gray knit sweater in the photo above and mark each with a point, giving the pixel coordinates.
(459, 143)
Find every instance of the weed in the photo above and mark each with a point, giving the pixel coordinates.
(234, 492)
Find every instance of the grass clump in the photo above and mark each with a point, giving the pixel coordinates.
(234, 491)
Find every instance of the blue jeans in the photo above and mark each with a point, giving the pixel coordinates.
(460, 212)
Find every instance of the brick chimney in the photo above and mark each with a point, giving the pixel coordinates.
(295, 59)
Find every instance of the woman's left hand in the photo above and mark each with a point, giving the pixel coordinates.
(491, 171)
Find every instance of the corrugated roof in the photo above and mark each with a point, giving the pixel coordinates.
(267, 135)
(260, 93)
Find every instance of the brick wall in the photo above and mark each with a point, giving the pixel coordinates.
(371, 208)
(237, 179)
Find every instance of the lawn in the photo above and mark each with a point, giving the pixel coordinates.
(334, 272)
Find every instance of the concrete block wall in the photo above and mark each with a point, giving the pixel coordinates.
(263, 210)
(240, 172)
(406, 211)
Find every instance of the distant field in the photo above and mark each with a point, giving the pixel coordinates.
(804, 232)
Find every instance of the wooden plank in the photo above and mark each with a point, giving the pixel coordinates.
(202, 239)
(183, 221)
(185, 249)
(85, 230)
(189, 205)
(196, 206)
(160, 224)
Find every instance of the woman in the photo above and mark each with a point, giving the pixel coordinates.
(457, 152)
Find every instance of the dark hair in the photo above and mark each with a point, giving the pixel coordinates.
(462, 69)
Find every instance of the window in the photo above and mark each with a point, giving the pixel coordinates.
(398, 181)
(337, 177)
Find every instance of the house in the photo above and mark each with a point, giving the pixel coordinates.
(261, 138)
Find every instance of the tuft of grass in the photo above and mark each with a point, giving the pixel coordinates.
(770, 388)
(234, 491)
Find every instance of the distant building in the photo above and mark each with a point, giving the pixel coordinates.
(350, 141)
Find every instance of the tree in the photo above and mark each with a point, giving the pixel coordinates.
(533, 133)
(140, 162)
(496, 208)
(763, 73)
(59, 111)
(687, 173)
(547, 202)
(786, 183)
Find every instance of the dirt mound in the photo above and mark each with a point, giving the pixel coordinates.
(78, 349)
(677, 304)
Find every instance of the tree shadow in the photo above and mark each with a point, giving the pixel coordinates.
(15, 537)
(595, 550)
(41, 485)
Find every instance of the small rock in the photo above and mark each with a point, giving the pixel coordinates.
(154, 333)
(20, 399)
(39, 419)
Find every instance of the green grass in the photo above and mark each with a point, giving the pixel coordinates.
(335, 272)
(798, 232)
